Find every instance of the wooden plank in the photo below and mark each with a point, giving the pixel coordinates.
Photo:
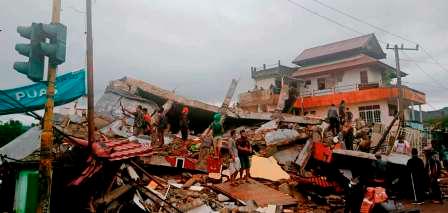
(260, 193)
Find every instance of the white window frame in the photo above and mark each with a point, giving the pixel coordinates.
(370, 114)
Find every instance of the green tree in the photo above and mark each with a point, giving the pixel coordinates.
(10, 130)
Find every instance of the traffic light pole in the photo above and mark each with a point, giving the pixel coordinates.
(45, 167)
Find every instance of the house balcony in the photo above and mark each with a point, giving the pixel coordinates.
(358, 93)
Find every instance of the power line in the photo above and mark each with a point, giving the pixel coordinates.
(382, 30)
(373, 26)
(362, 21)
(427, 74)
(435, 60)
(324, 17)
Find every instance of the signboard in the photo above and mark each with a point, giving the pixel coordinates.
(69, 87)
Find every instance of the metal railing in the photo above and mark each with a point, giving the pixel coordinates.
(305, 92)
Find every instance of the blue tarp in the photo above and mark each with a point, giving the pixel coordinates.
(69, 87)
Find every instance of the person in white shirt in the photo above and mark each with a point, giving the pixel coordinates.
(401, 146)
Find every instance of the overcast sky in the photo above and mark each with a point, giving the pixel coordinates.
(198, 46)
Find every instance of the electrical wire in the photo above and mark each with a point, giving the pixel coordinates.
(324, 17)
(382, 30)
(427, 74)
(367, 23)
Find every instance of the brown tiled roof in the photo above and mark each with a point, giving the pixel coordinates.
(344, 64)
(359, 43)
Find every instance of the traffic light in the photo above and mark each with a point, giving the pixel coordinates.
(55, 50)
(34, 68)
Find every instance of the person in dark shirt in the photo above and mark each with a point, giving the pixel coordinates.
(434, 171)
(348, 115)
(333, 119)
(244, 153)
(416, 168)
(347, 131)
(341, 111)
(160, 124)
(379, 169)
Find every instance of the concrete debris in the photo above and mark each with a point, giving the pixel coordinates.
(222, 198)
(295, 163)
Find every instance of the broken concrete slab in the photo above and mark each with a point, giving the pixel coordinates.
(260, 193)
(288, 154)
(267, 168)
(133, 92)
(394, 158)
(281, 136)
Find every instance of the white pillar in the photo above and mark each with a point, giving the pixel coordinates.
(421, 113)
(412, 111)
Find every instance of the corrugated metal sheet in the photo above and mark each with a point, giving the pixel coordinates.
(23, 145)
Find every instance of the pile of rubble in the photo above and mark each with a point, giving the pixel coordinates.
(296, 166)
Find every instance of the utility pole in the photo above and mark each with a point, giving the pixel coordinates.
(90, 107)
(45, 166)
(398, 73)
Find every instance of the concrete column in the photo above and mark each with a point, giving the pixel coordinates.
(421, 113)
(412, 111)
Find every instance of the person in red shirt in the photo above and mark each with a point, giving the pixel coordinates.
(147, 118)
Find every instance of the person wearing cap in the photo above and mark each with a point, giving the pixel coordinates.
(416, 168)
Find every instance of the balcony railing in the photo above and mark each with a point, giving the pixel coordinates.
(306, 92)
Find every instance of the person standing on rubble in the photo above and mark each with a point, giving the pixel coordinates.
(347, 132)
(147, 119)
(217, 131)
(184, 123)
(379, 171)
(341, 111)
(244, 153)
(434, 169)
(139, 123)
(333, 118)
(234, 165)
(160, 124)
(417, 172)
(401, 146)
(348, 115)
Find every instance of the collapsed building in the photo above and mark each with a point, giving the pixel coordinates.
(296, 166)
